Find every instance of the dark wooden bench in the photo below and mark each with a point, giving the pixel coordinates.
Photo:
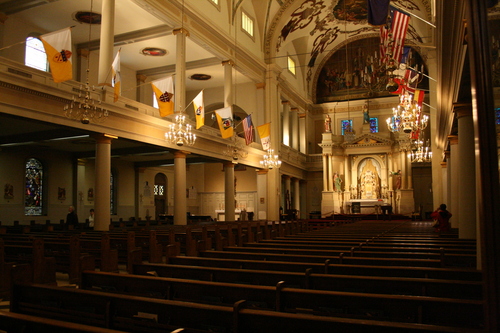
(16, 322)
(329, 267)
(142, 314)
(333, 282)
(106, 257)
(283, 298)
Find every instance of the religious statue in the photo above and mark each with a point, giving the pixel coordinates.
(338, 182)
(397, 180)
(366, 114)
(328, 124)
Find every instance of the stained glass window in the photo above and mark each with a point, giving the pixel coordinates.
(373, 125)
(346, 126)
(33, 191)
(497, 116)
(159, 190)
(112, 194)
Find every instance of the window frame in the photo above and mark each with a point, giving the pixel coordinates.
(288, 60)
(31, 50)
(249, 18)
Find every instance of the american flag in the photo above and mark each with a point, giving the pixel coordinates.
(248, 129)
(398, 27)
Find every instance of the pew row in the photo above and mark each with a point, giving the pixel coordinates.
(142, 314)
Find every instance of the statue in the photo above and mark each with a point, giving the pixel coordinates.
(338, 182)
(366, 114)
(397, 182)
(328, 124)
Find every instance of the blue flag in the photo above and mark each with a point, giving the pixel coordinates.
(378, 10)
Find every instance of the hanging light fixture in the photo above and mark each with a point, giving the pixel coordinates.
(270, 160)
(84, 108)
(420, 152)
(407, 117)
(180, 133)
(235, 150)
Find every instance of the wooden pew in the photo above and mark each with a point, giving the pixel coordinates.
(16, 322)
(309, 280)
(329, 267)
(43, 269)
(341, 259)
(131, 313)
(449, 259)
(106, 256)
(283, 298)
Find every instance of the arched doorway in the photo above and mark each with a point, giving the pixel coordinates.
(160, 192)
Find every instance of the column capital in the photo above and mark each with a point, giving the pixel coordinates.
(453, 139)
(294, 109)
(141, 78)
(180, 154)
(228, 164)
(262, 171)
(462, 109)
(260, 85)
(81, 161)
(285, 102)
(286, 177)
(444, 165)
(227, 62)
(180, 31)
(103, 138)
(302, 115)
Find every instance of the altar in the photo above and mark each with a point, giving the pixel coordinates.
(355, 206)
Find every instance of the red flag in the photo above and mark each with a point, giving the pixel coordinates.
(248, 129)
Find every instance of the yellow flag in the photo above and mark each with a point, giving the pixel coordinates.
(225, 120)
(164, 92)
(57, 46)
(265, 135)
(199, 110)
(116, 80)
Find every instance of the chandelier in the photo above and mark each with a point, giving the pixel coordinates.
(180, 133)
(420, 153)
(270, 160)
(84, 108)
(407, 117)
(235, 150)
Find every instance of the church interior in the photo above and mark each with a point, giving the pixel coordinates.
(283, 117)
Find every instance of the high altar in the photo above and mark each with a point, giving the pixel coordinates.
(370, 170)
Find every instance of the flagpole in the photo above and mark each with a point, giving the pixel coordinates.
(419, 72)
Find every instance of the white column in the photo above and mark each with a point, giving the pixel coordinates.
(102, 195)
(107, 41)
(180, 69)
(286, 123)
(453, 206)
(296, 195)
(325, 172)
(330, 173)
(229, 197)
(288, 192)
(180, 200)
(262, 195)
(80, 191)
(295, 128)
(228, 83)
(466, 172)
(303, 133)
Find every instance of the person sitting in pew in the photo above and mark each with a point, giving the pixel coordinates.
(442, 217)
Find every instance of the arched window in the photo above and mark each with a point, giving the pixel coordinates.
(33, 194)
(35, 54)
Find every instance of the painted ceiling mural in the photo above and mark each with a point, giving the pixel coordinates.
(343, 61)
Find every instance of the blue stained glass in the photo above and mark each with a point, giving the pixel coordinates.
(373, 125)
(346, 126)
